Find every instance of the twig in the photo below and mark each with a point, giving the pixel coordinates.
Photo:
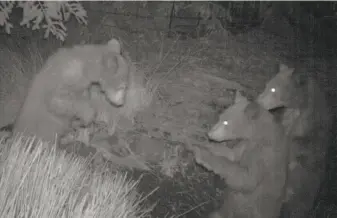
(193, 208)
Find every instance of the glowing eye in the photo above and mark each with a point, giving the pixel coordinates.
(225, 122)
(273, 90)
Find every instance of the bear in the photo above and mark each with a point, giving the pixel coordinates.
(215, 134)
(308, 123)
(257, 182)
(59, 92)
(297, 90)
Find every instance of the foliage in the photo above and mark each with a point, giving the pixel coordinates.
(218, 16)
(49, 15)
(211, 14)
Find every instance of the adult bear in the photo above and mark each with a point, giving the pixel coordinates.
(58, 93)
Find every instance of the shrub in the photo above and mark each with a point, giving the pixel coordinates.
(41, 181)
(49, 15)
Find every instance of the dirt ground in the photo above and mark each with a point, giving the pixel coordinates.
(194, 80)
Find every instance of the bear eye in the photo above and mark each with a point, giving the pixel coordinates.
(273, 90)
(225, 122)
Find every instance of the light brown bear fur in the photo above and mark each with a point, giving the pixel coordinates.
(308, 122)
(256, 183)
(58, 95)
(297, 90)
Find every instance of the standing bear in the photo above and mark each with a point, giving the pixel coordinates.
(308, 123)
(257, 181)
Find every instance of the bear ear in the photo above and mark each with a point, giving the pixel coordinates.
(283, 67)
(285, 70)
(114, 45)
(239, 97)
(253, 111)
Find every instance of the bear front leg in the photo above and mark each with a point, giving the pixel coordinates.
(70, 106)
(236, 176)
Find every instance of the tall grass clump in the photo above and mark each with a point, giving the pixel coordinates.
(37, 180)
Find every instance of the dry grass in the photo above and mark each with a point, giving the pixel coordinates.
(49, 183)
